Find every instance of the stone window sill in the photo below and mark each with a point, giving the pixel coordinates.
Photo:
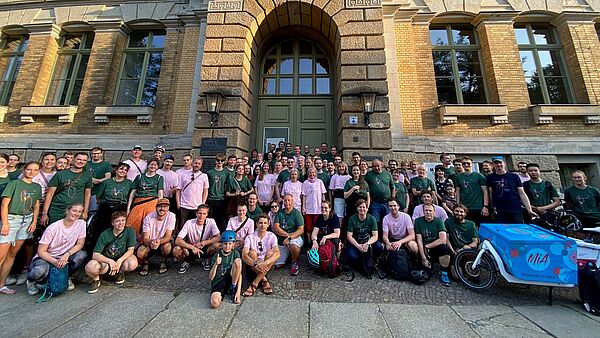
(3, 112)
(449, 113)
(143, 114)
(544, 113)
(65, 114)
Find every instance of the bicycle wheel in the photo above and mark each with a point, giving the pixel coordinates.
(569, 222)
(482, 277)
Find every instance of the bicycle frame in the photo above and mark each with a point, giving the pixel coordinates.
(487, 246)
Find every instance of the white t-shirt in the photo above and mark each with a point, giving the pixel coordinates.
(294, 188)
(192, 187)
(248, 228)
(397, 228)
(439, 212)
(133, 168)
(313, 192)
(171, 182)
(156, 228)
(193, 231)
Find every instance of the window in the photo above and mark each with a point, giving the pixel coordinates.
(138, 82)
(11, 55)
(296, 67)
(69, 71)
(543, 64)
(456, 62)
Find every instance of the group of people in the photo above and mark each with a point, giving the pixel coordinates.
(255, 213)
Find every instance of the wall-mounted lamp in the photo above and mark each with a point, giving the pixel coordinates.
(368, 100)
(213, 104)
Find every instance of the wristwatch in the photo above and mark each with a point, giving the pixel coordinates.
(289, 238)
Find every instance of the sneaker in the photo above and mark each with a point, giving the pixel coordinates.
(22, 278)
(294, 269)
(71, 285)
(32, 288)
(120, 278)
(232, 291)
(206, 264)
(94, 286)
(184, 267)
(10, 280)
(444, 279)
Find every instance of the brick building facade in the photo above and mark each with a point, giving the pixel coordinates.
(517, 78)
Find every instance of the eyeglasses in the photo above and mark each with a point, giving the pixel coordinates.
(221, 161)
(274, 206)
(466, 163)
(260, 246)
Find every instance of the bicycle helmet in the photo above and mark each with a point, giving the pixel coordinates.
(228, 236)
(313, 258)
(570, 223)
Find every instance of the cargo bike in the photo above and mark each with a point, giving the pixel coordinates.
(524, 254)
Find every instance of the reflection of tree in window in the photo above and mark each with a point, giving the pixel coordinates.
(11, 55)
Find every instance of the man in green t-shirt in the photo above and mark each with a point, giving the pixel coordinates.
(421, 183)
(289, 227)
(462, 233)
(284, 175)
(217, 177)
(226, 272)
(101, 171)
(253, 209)
(113, 253)
(542, 195)
(472, 192)
(381, 187)
(70, 186)
(432, 239)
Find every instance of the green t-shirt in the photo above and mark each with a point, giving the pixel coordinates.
(216, 184)
(98, 170)
(226, 264)
(362, 230)
(324, 176)
(326, 156)
(288, 155)
(70, 188)
(584, 201)
(148, 186)
(113, 248)
(15, 174)
(361, 193)
(289, 222)
(471, 194)
(254, 214)
(284, 176)
(4, 182)
(429, 230)
(380, 184)
(450, 172)
(540, 194)
(400, 194)
(421, 185)
(23, 197)
(460, 234)
(233, 184)
(113, 191)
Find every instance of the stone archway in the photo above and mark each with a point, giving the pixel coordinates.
(235, 35)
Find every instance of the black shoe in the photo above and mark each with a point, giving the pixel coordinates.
(380, 273)
(232, 291)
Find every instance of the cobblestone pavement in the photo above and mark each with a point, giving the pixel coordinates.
(360, 290)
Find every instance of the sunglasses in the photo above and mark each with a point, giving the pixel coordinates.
(274, 206)
(260, 246)
(221, 161)
(466, 163)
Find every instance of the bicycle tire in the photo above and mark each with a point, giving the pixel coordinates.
(480, 279)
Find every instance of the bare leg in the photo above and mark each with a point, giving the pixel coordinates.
(9, 259)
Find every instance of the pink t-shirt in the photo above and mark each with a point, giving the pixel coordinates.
(266, 243)
(156, 228)
(439, 212)
(397, 228)
(264, 189)
(42, 179)
(294, 188)
(192, 188)
(313, 196)
(61, 239)
(171, 182)
(248, 228)
(133, 169)
(193, 231)
(338, 181)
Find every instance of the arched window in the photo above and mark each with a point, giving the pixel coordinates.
(296, 67)
(12, 49)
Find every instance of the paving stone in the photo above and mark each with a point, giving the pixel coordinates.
(498, 321)
(561, 321)
(359, 320)
(408, 320)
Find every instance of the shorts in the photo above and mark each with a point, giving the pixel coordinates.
(285, 252)
(339, 206)
(191, 257)
(17, 231)
(222, 285)
(438, 251)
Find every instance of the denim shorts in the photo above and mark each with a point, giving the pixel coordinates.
(18, 225)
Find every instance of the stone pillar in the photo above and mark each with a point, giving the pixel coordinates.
(581, 46)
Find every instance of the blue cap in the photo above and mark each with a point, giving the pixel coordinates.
(497, 159)
(169, 157)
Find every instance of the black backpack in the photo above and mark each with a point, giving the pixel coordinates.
(398, 265)
(589, 288)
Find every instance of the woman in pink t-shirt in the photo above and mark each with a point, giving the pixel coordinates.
(313, 193)
(293, 187)
(241, 225)
(265, 187)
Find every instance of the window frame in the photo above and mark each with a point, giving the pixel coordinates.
(534, 47)
(79, 53)
(19, 52)
(148, 49)
(453, 48)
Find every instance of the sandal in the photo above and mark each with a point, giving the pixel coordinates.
(267, 289)
(250, 291)
(144, 270)
(6, 291)
(163, 268)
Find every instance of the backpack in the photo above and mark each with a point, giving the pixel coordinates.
(547, 188)
(57, 283)
(398, 265)
(589, 288)
(328, 262)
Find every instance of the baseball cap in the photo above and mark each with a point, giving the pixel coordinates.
(137, 146)
(169, 157)
(163, 201)
(161, 148)
(497, 159)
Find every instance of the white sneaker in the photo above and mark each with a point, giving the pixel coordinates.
(32, 288)
(10, 280)
(71, 285)
(22, 278)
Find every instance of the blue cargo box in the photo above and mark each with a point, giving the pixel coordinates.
(533, 253)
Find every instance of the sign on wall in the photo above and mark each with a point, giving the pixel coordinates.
(225, 5)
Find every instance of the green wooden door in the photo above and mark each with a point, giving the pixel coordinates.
(296, 120)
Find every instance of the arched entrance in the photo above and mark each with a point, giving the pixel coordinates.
(295, 101)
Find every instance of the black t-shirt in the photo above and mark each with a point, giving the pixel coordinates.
(505, 195)
(326, 227)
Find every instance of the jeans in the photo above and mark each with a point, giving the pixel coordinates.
(38, 269)
(363, 261)
(509, 216)
(379, 210)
